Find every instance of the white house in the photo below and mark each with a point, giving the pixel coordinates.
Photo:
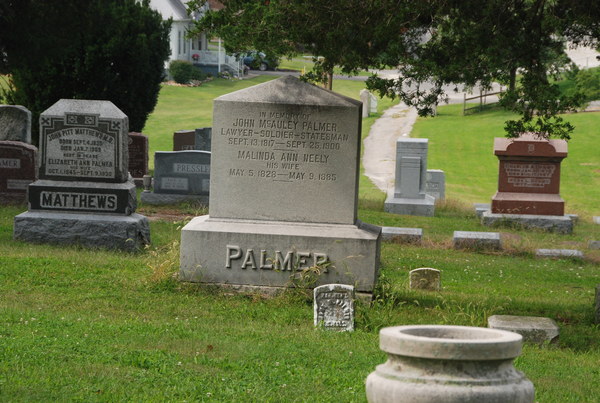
(193, 49)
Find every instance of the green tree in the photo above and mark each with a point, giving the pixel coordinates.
(433, 43)
(98, 49)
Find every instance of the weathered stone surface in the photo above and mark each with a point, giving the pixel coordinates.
(410, 197)
(278, 254)
(129, 233)
(436, 184)
(593, 244)
(596, 220)
(481, 208)
(83, 197)
(282, 148)
(15, 123)
(365, 98)
(533, 328)
(402, 235)
(559, 253)
(425, 278)
(334, 307)
(450, 364)
(182, 172)
(529, 176)
(477, 240)
(203, 139)
(373, 103)
(138, 155)
(559, 224)
(17, 170)
(283, 193)
(83, 140)
(573, 217)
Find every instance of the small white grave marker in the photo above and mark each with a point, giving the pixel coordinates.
(334, 307)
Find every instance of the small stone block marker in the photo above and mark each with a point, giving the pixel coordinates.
(425, 278)
(334, 307)
(559, 253)
(481, 208)
(477, 240)
(594, 245)
(596, 220)
(436, 184)
(402, 235)
(15, 123)
(533, 328)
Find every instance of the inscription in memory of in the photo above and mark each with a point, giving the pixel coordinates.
(334, 307)
(529, 175)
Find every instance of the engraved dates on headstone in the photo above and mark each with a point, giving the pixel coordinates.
(334, 307)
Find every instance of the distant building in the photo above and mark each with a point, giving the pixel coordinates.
(197, 49)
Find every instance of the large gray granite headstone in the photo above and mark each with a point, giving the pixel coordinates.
(15, 123)
(410, 195)
(84, 195)
(283, 193)
(84, 140)
(334, 307)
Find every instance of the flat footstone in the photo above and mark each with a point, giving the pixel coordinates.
(559, 224)
(559, 253)
(477, 240)
(594, 245)
(402, 235)
(534, 329)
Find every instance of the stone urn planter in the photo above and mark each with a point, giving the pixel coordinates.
(436, 363)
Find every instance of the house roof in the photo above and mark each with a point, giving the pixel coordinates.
(174, 9)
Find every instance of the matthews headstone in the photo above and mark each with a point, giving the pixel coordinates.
(283, 193)
(138, 156)
(17, 170)
(15, 123)
(334, 307)
(410, 197)
(435, 184)
(84, 194)
(179, 176)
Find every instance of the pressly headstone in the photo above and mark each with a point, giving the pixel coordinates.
(15, 123)
(84, 194)
(436, 184)
(138, 156)
(283, 201)
(410, 197)
(425, 279)
(334, 307)
(17, 170)
(179, 176)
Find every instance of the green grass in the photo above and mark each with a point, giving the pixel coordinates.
(462, 146)
(86, 325)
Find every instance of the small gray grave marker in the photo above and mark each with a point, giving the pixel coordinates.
(425, 278)
(533, 328)
(334, 307)
(15, 123)
(559, 253)
(436, 184)
(404, 235)
(477, 240)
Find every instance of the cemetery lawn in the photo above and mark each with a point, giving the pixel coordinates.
(84, 325)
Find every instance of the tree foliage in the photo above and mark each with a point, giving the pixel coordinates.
(432, 43)
(98, 49)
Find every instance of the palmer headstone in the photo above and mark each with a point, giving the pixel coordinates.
(17, 170)
(15, 123)
(179, 176)
(334, 307)
(138, 156)
(283, 192)
(84, 194)
(410, 197)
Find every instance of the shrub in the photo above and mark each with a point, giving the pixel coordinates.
(588, 83)
(104, 49)
(181, 71)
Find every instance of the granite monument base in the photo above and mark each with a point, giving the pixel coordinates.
(421, 207)
(279, 254)
(166, 198)
(559, 224)
(128, 233)
(528, 203)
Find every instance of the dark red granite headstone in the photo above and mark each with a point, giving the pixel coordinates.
(138, 155)
(184, 140)
(17, 170)
(529, 176)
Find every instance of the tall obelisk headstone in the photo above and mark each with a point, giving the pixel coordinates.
(85, 194)
(283, 193)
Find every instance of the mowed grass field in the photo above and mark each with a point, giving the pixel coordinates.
(102, 326)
